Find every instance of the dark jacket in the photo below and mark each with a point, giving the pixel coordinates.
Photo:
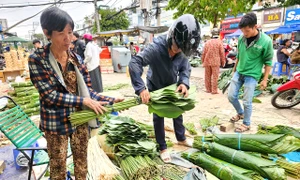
(281, 57)
(79, 48)
(163, 70)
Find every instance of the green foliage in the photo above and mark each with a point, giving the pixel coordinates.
(213, 11)
(285, 3)
(39, 36)
(119, 21)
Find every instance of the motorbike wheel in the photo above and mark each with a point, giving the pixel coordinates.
(284, 99)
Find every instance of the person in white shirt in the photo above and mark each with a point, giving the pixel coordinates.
(92, 62)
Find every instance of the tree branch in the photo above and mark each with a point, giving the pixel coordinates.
(43, 4)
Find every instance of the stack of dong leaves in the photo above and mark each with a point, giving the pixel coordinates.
(164, 102)
(249, 156)
(136, 154)
(26, 96)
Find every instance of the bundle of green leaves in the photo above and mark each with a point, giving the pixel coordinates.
(266, 168)
(166, 102)
(279, 129)
(224, 78)
(219, 168)
(122, 130)
(208, 122)
(290, 167)
(262, 143)
(143, 147)
(138, 167)
(190, 127)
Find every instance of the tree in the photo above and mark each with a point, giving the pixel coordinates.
(39, 36)
(119, 21)
(285, 3)
(211, 10)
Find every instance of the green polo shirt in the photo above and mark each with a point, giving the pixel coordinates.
(252, 58)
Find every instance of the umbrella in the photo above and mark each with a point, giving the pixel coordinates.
(284, 29)
(235, 34)
(14, 39)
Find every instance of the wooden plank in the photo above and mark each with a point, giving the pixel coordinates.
(2, 166)
(225, 127)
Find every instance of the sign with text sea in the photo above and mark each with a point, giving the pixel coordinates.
(292, 17)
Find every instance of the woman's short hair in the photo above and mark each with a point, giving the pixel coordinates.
(55, 19)
(285, 41)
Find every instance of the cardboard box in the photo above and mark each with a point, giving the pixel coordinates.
(105, 62)
(107, 69)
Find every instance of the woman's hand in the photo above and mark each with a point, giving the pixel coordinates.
(97, 106)
(118, 100)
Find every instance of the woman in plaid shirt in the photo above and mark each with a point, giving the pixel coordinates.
(64, 87)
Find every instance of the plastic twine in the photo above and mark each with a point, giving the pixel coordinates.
(219, 171)
(274, 159)
(233, 156)
(239, 141)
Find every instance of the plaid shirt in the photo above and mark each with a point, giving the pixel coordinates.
(55, 101)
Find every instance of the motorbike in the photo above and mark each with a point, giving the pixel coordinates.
(230, 59)
(288, 94)
(230, 56)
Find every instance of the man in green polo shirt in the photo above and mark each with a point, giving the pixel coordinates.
(255, 50)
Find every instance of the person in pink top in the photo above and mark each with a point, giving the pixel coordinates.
(213, 57)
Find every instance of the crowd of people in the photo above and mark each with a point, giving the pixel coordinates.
(66, 74)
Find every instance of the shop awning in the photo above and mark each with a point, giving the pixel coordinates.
(134, 31)
(117, 32)
(237, 33)
(14, 39)
(285, 29)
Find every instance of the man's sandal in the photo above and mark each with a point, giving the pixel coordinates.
(236, 118)
(242, 128)
(165, 156)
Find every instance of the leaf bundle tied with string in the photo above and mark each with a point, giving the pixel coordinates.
(266, 168)
(262, 143)
(221, 169)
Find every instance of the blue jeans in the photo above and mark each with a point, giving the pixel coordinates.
(159, 129)
(237, 81)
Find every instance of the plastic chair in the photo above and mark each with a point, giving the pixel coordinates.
(292, 66)
(23, 133)
(277, 69)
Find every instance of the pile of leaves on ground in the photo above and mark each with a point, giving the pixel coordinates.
(127, 137)
(136, 154)
(248, 156)
(207, 123)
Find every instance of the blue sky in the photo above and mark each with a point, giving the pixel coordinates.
(76, 10)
